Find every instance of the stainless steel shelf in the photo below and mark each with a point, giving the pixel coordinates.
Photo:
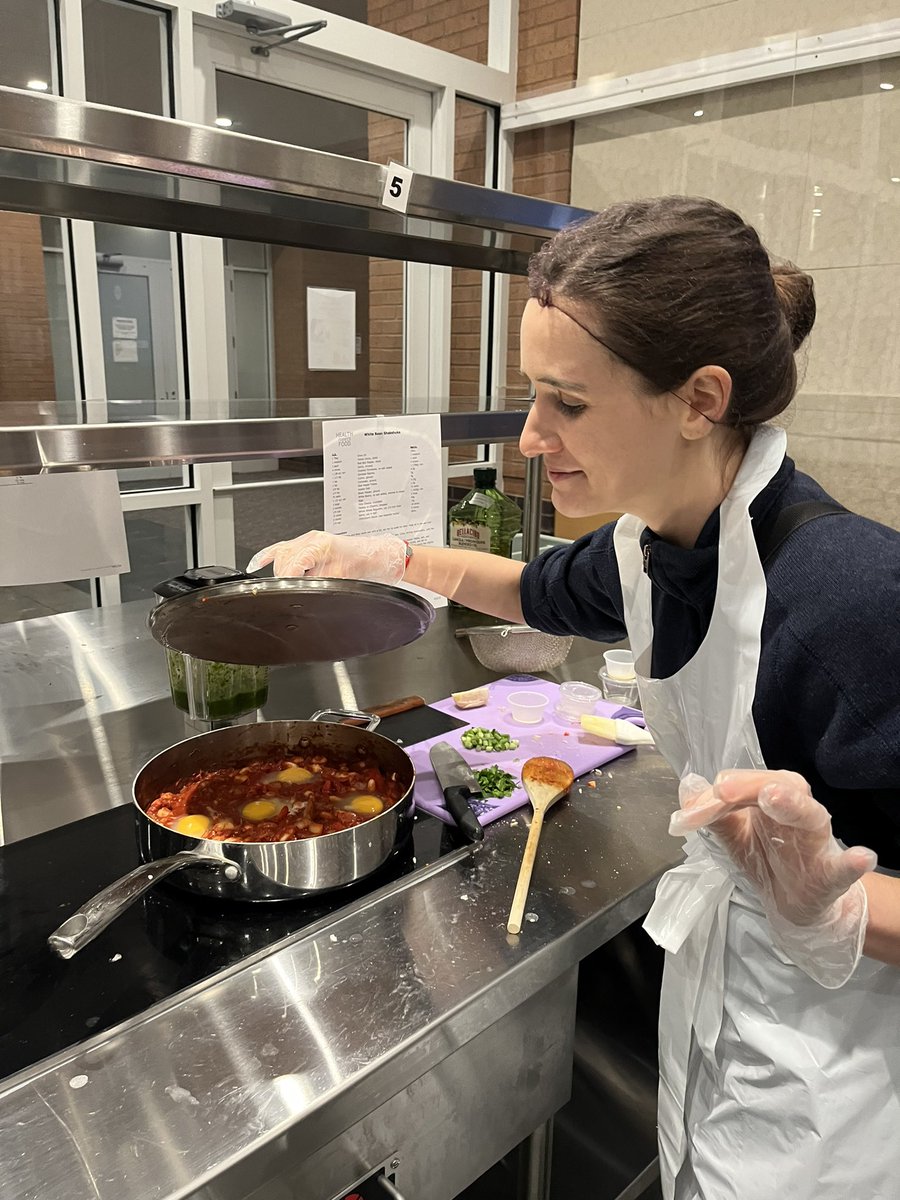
(67, 158)
(35, 450)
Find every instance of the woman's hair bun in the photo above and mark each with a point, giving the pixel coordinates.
(797, 298)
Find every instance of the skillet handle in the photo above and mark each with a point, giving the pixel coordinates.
(347, 716)
(94, 916)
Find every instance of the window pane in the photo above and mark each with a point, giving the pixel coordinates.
(43, 600)
(139, 327)
(26, 46)
(298, 118)
(127, 65)
(278, 277)
(252, 334)
(266, 515)
(126, 56)
(36, 361)
(250, 255)
(811, 161)
(158, 548)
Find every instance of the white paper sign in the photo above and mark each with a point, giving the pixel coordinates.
(59, 527)
(385, 475)
(124, 327)
(330, 329)
(125, 352)
(397, 186)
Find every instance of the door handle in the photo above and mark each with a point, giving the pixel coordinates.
(390, 1188)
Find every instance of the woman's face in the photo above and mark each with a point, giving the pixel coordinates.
(607, 446)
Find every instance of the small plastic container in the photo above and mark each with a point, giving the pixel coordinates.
(575, 701)
(619, 664)
(527, 708)
(620, 691)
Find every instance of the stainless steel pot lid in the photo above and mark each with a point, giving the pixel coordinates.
(270, 622)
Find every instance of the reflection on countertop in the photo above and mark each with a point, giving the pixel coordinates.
(310, 1034)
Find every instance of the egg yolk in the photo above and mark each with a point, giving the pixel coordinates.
(364, 805)
(193, 825)
(294, 774)
(259, 810)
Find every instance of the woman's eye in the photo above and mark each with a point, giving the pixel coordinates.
(569, 410)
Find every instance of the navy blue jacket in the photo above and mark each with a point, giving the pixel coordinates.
(828, 691)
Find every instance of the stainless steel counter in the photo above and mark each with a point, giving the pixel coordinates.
(309, 1037)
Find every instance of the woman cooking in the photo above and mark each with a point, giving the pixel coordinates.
(660, 340)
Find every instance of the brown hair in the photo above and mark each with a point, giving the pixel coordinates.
(677, 283)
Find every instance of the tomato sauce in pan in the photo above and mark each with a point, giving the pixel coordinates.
(277, 799)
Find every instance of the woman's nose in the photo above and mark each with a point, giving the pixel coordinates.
(537, 437)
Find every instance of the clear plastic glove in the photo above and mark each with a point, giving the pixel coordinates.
(378, 558)
(780, 839)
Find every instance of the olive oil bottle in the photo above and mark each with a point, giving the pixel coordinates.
(484, 519)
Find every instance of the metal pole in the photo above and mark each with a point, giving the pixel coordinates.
(531, 509)
(535, 1159)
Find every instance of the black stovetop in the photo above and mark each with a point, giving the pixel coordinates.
(164, 943)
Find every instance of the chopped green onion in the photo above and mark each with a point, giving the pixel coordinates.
(488, 740)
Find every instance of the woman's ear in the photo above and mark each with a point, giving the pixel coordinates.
(708, 393)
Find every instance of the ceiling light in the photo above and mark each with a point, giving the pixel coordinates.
(817, 212)
(886, 87)
(895, 179)
(698, 112)
(38, 85)
(224, 122)
(817, 191)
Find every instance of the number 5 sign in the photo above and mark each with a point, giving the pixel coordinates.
(397, 185)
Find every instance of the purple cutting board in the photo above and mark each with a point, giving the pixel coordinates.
(552, 737)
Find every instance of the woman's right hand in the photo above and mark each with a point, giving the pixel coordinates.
(378, 558)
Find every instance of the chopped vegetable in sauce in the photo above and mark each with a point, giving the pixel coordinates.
(277, 799)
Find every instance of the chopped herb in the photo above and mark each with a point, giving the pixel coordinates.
(495, 782)
(488, 740)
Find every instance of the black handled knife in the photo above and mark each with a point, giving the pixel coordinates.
(459, 785)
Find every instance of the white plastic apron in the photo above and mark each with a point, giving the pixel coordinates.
(770, 1085)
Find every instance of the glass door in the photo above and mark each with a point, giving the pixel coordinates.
(274, 293)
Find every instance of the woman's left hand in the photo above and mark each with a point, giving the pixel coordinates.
(780, 838)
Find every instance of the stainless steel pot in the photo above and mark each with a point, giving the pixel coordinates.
(252, 871)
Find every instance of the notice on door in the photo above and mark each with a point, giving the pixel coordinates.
(54, 528)
(385, 475)
(125, 327)
(125, 351)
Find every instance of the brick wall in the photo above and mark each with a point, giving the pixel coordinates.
(469, 163)
(459, 26)
(26, 358)
(548, 54)
(542, 159)
(387, 143)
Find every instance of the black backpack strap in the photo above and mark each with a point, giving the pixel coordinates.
(772, 535)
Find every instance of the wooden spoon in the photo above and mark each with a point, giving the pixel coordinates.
(545, 780)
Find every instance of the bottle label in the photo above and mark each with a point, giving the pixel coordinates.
(480, 500)
(465, 536)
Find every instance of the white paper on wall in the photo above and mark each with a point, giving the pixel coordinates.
(330, 329)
